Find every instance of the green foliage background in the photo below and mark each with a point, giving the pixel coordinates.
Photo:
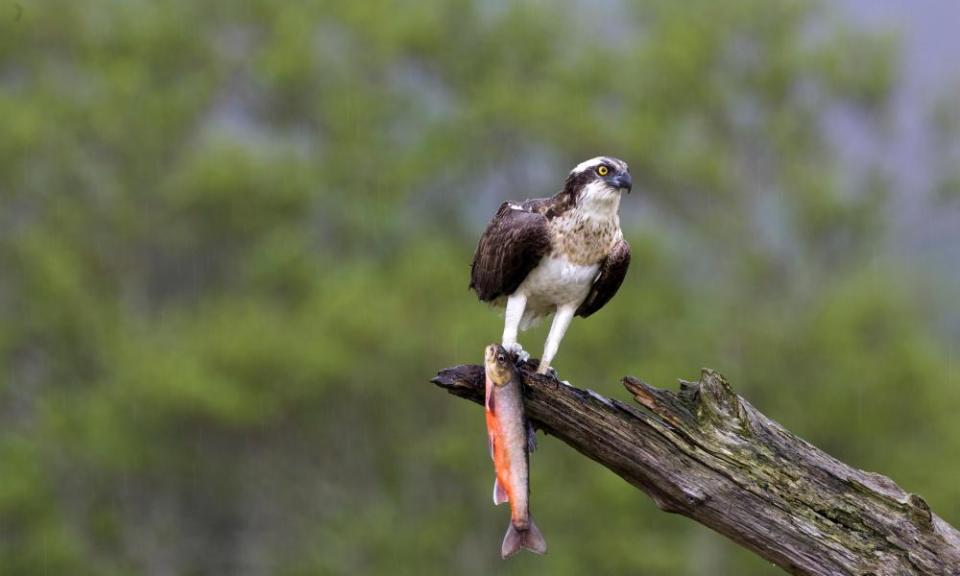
(234, 246)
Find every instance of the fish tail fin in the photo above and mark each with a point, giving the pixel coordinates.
(530, 539)
(534, 540)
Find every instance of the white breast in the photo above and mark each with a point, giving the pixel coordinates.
(555, 282)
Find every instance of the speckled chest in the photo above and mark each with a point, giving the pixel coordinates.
(583, 239)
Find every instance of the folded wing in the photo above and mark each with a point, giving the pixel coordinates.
(612, 272)
(511, 246)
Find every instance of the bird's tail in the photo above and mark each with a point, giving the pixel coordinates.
(529, 538)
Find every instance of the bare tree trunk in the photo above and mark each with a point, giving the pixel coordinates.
(706, 453)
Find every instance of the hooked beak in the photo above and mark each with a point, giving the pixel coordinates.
(623, 181)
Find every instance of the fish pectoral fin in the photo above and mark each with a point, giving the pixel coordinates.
(531, 438)
(490, 444)
(499, 494)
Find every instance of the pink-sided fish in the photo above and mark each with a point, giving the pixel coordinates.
(510, 441)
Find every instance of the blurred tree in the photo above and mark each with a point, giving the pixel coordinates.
(234, 240)
(946, 128)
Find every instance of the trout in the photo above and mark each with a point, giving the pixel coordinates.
(510, 440)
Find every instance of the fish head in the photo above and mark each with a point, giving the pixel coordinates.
(499, 364)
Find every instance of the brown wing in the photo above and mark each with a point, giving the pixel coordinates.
(608, 280)
(511, 246)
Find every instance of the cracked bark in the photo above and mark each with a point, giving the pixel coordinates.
(706, 453)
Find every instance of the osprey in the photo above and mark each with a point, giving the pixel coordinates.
(563, 255)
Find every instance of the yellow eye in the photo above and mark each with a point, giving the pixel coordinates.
(602, 170)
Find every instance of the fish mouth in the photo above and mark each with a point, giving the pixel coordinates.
(498, 365)
(490, 354)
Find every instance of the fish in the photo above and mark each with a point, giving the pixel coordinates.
(511, 439)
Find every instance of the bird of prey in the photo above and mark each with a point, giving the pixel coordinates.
(563, 255)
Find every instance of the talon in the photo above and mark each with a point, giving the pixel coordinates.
(518, 351)
(547, 371)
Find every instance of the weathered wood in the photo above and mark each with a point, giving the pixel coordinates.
(706, 453)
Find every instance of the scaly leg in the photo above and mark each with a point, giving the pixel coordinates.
(561, 321)
(516, 304)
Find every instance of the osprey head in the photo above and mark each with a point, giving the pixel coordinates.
(596, 184)
(599, 180)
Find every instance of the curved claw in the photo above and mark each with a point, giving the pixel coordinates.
(518, 351)
(547, 371)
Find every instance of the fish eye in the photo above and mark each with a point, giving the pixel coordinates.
(602, 170)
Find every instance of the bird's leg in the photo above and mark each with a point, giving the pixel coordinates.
(516, 304)
(561, 321)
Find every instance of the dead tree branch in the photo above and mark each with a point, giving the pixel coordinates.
(706, 453)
